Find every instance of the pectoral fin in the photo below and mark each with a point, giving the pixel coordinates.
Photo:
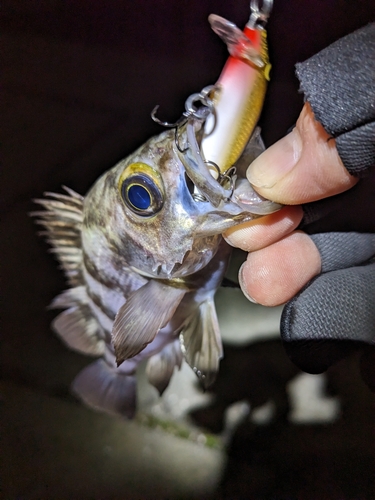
(76, 326)
(201, 342)
(160, 367)
(144, 313)
(79, 331)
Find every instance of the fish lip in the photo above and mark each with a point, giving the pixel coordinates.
(266, 207)
(245, 197)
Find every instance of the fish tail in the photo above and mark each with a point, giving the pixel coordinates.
(103, 388)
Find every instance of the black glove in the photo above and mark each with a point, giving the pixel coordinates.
(335, 312)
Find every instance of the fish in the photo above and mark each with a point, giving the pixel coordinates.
(142, 251)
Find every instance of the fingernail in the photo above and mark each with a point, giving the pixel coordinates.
(243, 285)
(227, 238)
(276, 161)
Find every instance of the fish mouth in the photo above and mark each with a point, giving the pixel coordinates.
(227, 192)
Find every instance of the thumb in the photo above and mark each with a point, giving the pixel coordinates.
(304, 166)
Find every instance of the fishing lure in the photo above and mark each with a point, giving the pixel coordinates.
(143, 252)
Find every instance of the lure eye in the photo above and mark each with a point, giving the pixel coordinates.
(141, 189)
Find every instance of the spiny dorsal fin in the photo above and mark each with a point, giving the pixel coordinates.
(62, 220)
(160, 366)
(201, 342)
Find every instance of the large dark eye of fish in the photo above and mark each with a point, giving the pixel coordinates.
(141, 189)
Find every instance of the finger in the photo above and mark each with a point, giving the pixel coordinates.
(304, 166)
(273, 275)
(258, 233)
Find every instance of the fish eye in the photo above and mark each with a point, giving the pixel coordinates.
(138, 196)
(141, 189)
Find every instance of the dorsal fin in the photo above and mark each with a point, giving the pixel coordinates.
(62, 220)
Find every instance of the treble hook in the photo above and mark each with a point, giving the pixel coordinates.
(222, 178)
(176, 124)
(176, 141)
(207, 104)
(191, 110)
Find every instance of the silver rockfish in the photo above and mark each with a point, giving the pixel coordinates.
(143, 252)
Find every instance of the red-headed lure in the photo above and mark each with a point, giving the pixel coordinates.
(239, 93)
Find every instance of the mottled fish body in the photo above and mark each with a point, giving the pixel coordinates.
(143, 256)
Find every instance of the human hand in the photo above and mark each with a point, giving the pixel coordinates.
(302, 167)
(328, 278)
(299, 169)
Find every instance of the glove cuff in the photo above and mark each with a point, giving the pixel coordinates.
(339, 84)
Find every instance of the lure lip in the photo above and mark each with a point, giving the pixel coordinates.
(239, 45)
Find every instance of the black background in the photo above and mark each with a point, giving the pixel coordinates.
(79, 81)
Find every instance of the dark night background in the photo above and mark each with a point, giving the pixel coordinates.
(80, 78)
